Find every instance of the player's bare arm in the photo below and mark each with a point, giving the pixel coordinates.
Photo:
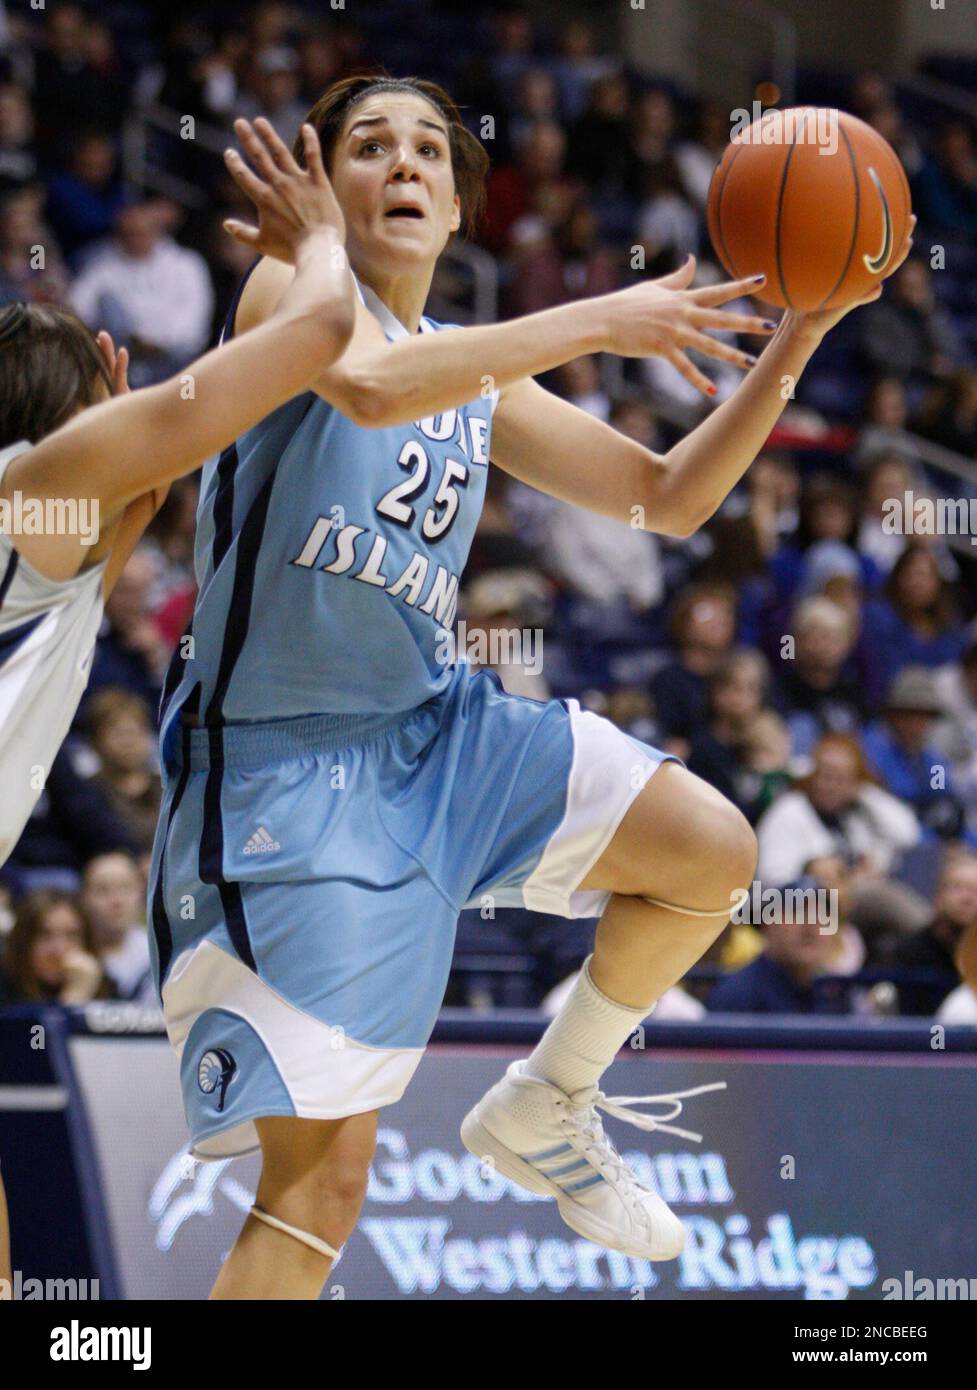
(377, 383)
(558, 448)
(135, 443)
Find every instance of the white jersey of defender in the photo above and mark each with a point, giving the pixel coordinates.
(47, 641)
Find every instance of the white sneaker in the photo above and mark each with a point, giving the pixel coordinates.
(555, 1145)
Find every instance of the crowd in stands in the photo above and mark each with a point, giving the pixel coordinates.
(809, 658)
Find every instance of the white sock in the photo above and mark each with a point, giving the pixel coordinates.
(584, 1037)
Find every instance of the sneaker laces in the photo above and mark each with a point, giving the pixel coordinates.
(620, 1108)
(583, 1114)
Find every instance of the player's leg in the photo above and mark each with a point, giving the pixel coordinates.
(5, 1274)
(664, 881)
(313, 1181)
(680, 843)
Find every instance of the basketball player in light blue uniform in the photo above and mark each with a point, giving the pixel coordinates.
(337, 788)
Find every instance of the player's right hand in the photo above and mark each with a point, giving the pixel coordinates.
(291, 203)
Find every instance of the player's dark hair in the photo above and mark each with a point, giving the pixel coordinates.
(469, 160)
(50, 365)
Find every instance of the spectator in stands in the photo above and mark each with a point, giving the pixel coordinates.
(112, 895)
(814, 689)
(130, 651)
(578, 66)
(668, 224)
(516, 190)
(902, 753)
(70, 822)
(597, 149)
(887, 475)
(836, 809)
(956, 733)
(945, 192)
(703, 626)
(652, 128)
(85, 198)
(753, 524)
(31, 267)
(498, 631)
(274, 91)
(537, 101)
(169, 543)
(69, 92)
(697, 158)
(933, 948)
(121, 732)
(767, 753)
(569, 262)
(18, 162)
(152, 294)
(597, 558)
(718, 751)
(907, 335)
(319, 63)
(781, 980)
(50, 956)
(497, 544)
(513, 54)
(915, 620)
(959, 1008)
(828, 512)
(885, 405)
(951, 419)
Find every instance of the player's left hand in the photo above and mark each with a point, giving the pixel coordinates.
(117, 362)
(813, 327)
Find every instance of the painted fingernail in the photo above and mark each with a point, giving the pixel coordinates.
(756, 279)
(712, 390)
(769, 323)
(750, 360)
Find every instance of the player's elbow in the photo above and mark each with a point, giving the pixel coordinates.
(365, 401)
(668, 509)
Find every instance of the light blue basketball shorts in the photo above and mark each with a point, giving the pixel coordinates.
(308, 874)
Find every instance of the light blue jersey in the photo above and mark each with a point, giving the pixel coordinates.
(328, 559)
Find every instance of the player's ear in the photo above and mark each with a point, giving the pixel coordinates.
(456, 214)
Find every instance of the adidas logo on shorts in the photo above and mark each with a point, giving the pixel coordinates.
(261, 843)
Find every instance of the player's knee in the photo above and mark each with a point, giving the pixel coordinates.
(736, 848)
(723, 852)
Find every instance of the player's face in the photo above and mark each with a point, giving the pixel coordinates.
(393, 177)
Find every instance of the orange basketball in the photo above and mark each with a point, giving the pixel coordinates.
(816, 200)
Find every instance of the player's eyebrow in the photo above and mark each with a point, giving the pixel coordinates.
(384, 120)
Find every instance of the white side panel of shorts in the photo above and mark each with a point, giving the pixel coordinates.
(327, 1074)
(607, 773)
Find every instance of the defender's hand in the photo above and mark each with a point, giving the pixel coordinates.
(292, 203)
(117, 362)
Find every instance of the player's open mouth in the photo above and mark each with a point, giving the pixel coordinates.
(406, 210)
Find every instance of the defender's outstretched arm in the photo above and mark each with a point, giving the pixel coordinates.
(133, 444)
